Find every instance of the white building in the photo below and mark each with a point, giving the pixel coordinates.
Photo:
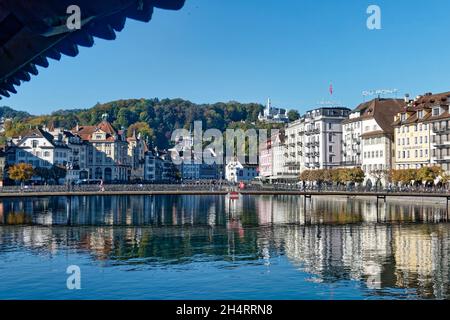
(377, 137)
(294, 157)
(41, 149)
(323, 137)
(279, 157)
(235, 171)
(273, 115)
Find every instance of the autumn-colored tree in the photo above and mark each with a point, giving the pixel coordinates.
(21, 172)
(305, 175)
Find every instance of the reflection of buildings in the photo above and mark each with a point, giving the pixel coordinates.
(333, 239)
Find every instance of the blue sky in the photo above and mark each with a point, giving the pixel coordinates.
(249, 50)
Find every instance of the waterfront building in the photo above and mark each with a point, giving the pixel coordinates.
(136, 153)
(376, 144)
(265, 159)
(438, 121)
(273, 115)
(158, 166)
(235, 171)
(279, 157)
(413, 134)
(40, 149)
(77, 153)
(323, 137)
(294, 158)
(107, 151)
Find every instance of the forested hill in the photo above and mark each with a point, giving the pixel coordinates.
(9, 113)
(152, 117)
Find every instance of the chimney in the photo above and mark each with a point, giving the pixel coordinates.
(407, 97)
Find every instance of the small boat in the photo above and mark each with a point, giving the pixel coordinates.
(234, 195)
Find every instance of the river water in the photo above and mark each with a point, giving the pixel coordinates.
(212, 247)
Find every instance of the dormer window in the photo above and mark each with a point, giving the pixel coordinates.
(436, 111)
(420, 114)
(403, 116)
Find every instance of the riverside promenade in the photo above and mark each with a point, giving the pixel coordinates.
(120, 190)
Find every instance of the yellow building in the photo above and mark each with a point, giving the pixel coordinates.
(412, 136)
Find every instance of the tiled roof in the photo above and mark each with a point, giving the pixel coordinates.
(30, 32)
(382, 110)
(425, 102)
(86, 132)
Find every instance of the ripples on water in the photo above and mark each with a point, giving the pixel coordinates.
(208, 247)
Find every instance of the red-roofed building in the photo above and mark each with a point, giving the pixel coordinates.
(107, 152)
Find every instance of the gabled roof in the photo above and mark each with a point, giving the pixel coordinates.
(380, 109)
(86, 132)
(39, 133)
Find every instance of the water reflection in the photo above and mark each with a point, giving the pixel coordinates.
(385, 246)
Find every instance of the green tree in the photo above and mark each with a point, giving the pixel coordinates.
(293, 115)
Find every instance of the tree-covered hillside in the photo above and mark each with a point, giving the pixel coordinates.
(152, 117)
(9, 113)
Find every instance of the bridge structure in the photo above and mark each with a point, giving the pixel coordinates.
(31, 32)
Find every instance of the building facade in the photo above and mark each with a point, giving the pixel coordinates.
(323, 137)
(107, 151)
(376, 147)
(413, 135)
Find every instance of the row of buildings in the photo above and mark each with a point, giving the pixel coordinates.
(377, 136)
(97, 152)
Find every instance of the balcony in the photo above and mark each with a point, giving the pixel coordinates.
(440, 142)
(440, 130)
(312, 131)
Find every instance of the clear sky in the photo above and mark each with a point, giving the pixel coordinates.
(249, 50)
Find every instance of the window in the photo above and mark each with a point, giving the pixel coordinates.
(415, 140)
(330, 126)
(381, 153)
(34, 143)
(435, 111)
(330, 137)
(426, 139)
(330, 148)
(415, 153)
(421, 153)
(420, 116)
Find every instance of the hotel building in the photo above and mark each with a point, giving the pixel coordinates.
(323, 137)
